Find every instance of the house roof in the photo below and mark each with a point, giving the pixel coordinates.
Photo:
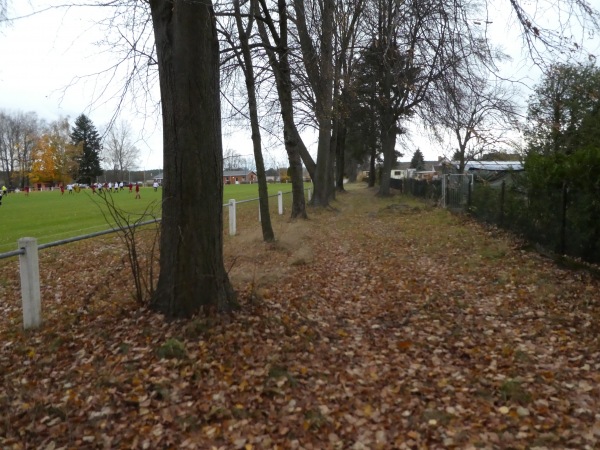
(236, 173)
(406, 165)
(159, 175)
(492, 165)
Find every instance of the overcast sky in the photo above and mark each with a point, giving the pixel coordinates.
(41, 58)
(43, 55)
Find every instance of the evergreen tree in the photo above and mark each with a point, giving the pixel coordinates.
(559, 104)
(86, 136)
(418, 161)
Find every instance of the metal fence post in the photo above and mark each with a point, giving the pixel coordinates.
(563, 219)
(280, 202)
(445, 191)
(502, 193)
(232, 222)
(30, 283)
(469, 192)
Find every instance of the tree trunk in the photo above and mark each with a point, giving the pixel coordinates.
(340, 152)
(281, 69)
(388, 134)
(248, 68)
(323, 177)
(372, 167)
(388, 143)
(192, 276)
(319, 69)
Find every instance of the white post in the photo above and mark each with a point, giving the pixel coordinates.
(30, 283)
(232, 217)
(259, 210)
(280, 202)
(309, 194)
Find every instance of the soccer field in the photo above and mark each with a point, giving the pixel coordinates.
(50, 216)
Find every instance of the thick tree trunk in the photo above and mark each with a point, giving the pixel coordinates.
(388, 143)
(192, 274)
(323, 177)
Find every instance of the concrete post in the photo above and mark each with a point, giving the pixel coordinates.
(30, 283)
(280, 202)
(232, 223)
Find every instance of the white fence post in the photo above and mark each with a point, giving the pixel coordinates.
(280, 202)
(30, 283)
(309, 194)
(232, 222)
(259, 218)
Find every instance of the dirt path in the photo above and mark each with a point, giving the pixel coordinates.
(383, 324)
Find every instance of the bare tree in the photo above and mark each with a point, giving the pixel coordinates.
(278, 56)
(119, 149)
(8, 153)
(477, 117)
(3, 10)
(231, 159)
(347, 32)
(318, 63)
(18, 135)
(559, 34)
(244, 58)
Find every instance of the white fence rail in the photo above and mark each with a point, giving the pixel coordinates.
(28, 250)
(233, 212)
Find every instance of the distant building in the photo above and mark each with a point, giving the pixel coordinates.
(272, 175)
(496, 166)
(239, 176)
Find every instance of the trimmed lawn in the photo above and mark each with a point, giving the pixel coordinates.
(50, 216)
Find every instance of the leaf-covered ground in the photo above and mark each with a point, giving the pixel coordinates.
(384, 323)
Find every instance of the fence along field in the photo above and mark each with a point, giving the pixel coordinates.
(50, 216)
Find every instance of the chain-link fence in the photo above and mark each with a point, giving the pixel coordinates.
(429, 189)
(562, 219)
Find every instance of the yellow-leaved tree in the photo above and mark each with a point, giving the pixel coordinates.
(54, 157)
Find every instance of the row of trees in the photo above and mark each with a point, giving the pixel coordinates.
(33, 151)
(355, 70)
(352, 69)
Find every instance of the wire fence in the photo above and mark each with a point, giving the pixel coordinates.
(563, 219)
(28, 250)
(428, 189)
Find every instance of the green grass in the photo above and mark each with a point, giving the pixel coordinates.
(50, 216)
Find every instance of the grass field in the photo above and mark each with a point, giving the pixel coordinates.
(50, 216)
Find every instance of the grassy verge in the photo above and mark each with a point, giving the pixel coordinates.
(50, 216)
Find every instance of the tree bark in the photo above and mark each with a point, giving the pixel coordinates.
(388, 134)
(388, 143)
(340, 153)
(192, 276)
(319, 68)
(281, 69)
(248, 69)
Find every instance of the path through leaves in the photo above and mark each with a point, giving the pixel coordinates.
(383, 324)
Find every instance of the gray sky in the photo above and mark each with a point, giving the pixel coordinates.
(45, 60)
(45, 53)
(42, 56)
